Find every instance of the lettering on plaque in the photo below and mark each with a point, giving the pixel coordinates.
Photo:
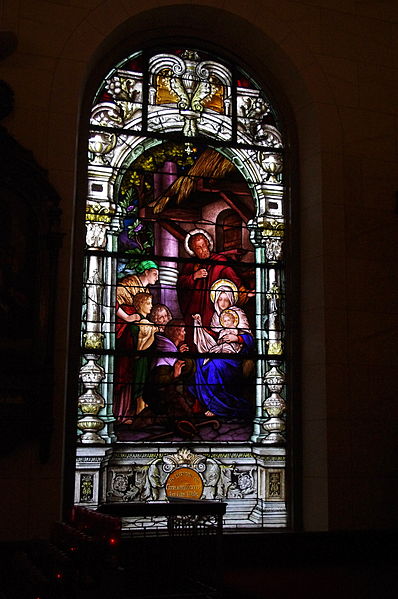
(184, 483)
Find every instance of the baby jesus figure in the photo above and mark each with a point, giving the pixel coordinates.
(229, 321)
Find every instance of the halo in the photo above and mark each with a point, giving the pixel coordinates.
(197, 232)
(233, 313)
(220, 283)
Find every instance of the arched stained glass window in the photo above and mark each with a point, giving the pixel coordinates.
(183, 366)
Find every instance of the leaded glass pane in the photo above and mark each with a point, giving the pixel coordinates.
(186, 91)
(183, 310)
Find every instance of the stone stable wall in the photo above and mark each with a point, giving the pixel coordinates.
(333, 66)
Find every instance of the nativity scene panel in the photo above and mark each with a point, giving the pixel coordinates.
(185, 299)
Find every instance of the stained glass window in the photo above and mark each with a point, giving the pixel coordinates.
(183, 345)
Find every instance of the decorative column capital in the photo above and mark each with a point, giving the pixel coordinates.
(268, 233)
(96, 234)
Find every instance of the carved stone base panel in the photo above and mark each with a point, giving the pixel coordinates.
(269, 514)
(251, 480)
(90, 481)
(238, 513)
(270, 456)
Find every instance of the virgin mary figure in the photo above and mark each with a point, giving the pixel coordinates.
(219, 381)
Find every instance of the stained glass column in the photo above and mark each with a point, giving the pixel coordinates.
(266, 233)
(95, 427)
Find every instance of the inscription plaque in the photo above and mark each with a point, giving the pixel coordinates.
(184, 483)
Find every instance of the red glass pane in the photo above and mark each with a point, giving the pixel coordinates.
(243, 82)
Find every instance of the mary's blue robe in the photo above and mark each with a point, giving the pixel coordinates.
(219, 383)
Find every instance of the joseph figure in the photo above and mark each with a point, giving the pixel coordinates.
(197, 277)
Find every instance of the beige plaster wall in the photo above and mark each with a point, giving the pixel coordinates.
(333, 64)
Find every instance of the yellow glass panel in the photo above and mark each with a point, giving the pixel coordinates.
(164, 93)
(216, 101)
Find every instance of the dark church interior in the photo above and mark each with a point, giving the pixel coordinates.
(330, 67)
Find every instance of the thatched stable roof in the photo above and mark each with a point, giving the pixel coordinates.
(210, 164)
